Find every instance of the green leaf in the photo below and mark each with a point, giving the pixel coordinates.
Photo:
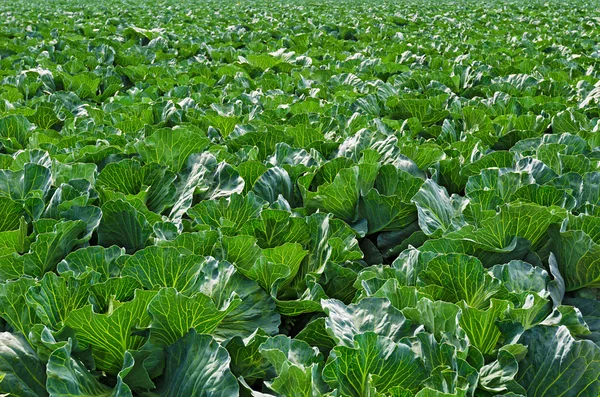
(428, 392)
(492, 160)
(338, 281)
(369, 315)
(480, 325)
(277, 227)
(425, 154)
(65, 173)
(51, 247)
(13, 307)
(196, 366)
(44, 117)
(438, 317)
(499, 375)
(24, 373)
(250, 171)
(154, 267)
(273, 268)
(288, 255)
(216, 179)
(332, 240)
(531, 310)
(438, 213)
(386, 213)
(518, 276)
(493, 186)
(589, 224)
(246, 359)
(340, 197)
(126, 176)
(578, 258)
(174, 314)
(274, 182)
(171, 147)
(377, 362)
(67, 376)
(460, 277)
(73, 193)
(93, 258)
(569, 121)
(570, 317)
(130, 178)
(558, 365)
(546, 196)
(17, 128)
(123, 225)
(242, 251)
(55, 297)
(315, 334)
(31, 182)
(498, 231)
(228, 214)
(13, 242)
(591, 188)
(298, 367)
(10, 212)
(256, 310)
(392, 185)
(306, 302)
(120, 289)
(110, 335)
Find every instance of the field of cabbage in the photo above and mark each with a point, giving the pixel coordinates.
(385, 198)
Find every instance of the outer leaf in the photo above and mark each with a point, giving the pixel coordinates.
(387, 213)
(229, 214)
(369, 315)
(498, 376)
(93, 258)
(298, 367)
(33, 181)
(51, 247)
(438, 213)
(10, 212)
(276, 227)
(155, 267)
(23, 372)
(315, 334)
(246, 360)
(274, 182)
(519, 276)
(67, 376)
(480, 325)
(200, 243)
(171, 147)
(256, 310)
(104, 294)
(13, 307)
(56, 297)
(438, 317)
(590, 309)
(197, 366)
(529, 221)
(174, 314)
(558, 365)
(340, 197)
(124, 226)
(578, 258)
(376, 361)
(111, 335)
(461, 277)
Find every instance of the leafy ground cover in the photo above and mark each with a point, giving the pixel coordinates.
(343, 198)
